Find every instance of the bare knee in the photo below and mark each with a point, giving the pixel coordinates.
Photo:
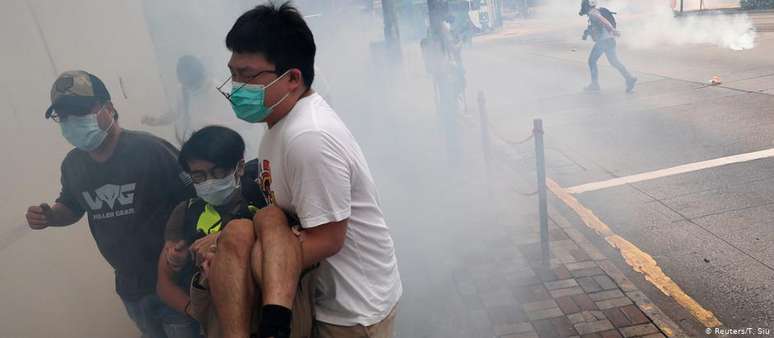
(238, 237)
(268, 219)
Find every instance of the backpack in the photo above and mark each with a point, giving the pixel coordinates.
(609, 16)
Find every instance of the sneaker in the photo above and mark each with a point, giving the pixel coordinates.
(591, 88)
(630, 84)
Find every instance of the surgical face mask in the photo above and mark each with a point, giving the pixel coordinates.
(247, 101)
(84, 132)
(216, 191)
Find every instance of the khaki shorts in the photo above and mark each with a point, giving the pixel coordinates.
(303, 311)
(383, 329)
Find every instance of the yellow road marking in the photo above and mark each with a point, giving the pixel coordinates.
(636, 258)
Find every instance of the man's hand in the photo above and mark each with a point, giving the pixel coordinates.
(163, 119)
(149, 120)
(204, 246)
(39, 216)
(176, 255)
(206, 263)
(155, 121)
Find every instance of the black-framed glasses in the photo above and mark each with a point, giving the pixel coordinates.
(229, 89)
(57, 117)
(214, 173)
(60, 115)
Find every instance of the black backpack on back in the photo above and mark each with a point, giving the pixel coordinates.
(609, 16)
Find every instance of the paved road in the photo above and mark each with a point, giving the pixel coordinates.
(709, 230)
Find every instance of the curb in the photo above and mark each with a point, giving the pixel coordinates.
(659, 318)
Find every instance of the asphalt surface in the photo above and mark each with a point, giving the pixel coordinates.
(709, 230)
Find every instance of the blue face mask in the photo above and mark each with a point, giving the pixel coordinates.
(84, 132)
(247, 101)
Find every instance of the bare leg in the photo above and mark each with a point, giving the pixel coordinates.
(257, 264)
(282, 257)
(231, 284)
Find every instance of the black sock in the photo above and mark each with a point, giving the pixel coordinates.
(275, 321)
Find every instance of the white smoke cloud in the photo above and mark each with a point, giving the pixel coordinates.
(649, 24)
(652, 23)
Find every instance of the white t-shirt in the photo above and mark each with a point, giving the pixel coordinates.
(313, 167)
(207, 107)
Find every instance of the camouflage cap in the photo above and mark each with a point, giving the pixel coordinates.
(76, 90)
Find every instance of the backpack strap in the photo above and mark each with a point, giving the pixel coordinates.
(244, 210)
(194, 209)
(608, 16)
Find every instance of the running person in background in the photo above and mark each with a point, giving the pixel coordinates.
(213, 158)
(199, 105)
(604, 33)
(127, 183)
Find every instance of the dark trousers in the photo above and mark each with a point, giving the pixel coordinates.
(607, 47)
(156, 320)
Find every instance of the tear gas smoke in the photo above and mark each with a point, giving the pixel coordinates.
(653, 24)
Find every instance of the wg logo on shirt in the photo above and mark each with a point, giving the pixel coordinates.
(110, 194)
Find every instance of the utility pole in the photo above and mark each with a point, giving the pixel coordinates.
(498, 10)
(391, 29)
(524, 9)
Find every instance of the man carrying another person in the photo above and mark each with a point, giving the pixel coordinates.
(311, 167)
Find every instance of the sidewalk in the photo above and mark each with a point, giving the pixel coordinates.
(510, 293)
(581, 294)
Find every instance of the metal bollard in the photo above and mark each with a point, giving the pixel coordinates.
(485, 139)
(541, 183)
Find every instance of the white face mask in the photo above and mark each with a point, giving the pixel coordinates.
(216, 191)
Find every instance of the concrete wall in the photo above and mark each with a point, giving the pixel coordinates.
(42, 38)
(54, 282)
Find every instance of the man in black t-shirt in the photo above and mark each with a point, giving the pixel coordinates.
(127, 183)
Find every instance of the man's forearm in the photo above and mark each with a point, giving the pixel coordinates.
(62, 216)
(167, 118)
(322, 242)
(313, 252)
(171, 294)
